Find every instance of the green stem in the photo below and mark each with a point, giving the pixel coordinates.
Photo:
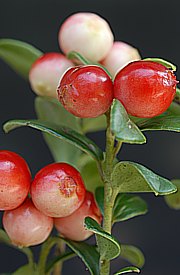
(46, 247)
(60, 258)
(60, 249)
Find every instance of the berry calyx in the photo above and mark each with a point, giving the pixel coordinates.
(46, 71)
(15, 179)
(86, 91)
(27, 226)
(145, 88)
(86, 33)
(72, 227)
(119, 56)
(58, 190)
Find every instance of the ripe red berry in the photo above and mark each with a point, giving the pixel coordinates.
(86, 91)
(72, 227)
(58, 190)
(15, 179)
(26, 225)
(46, 71)
(86, 33)
(146, 89)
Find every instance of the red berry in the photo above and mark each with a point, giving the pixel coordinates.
(86, 91)
(58, 190)
(46, 71)
(26, 225)
(72, 227)
(15, 179)
(86, 33)
(146, 89)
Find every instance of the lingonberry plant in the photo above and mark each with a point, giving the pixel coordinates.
(86, 191)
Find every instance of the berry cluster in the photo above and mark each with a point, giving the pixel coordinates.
(145, 88)
(57, 196)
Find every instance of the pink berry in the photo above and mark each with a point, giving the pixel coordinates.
(15, 179)
(119, 56)
(58, 190)
(86, 91)
(72, 227)
(86, 33)
(46, 71)
(26, 225)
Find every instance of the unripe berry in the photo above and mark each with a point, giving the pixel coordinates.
(72, 227)
(145, 88)
(86, 91)
(58, 190)
(119, 56)
(15, 179)
(86, 33)
(26, 225)
(46, 71)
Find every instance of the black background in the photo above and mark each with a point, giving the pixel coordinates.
(154, 28)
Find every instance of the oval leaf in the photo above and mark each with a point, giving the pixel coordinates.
(165, 63)
(127, 206)
(133, 255)
(49, 109)
(18, 55)
(87, 253)
(67, 134)
(94, 124)
(128, 270)
(99, 195)
(173, 200)
(123, 127)
(109, 247)
(132, 177)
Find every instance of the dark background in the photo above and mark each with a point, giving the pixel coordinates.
(154, 28)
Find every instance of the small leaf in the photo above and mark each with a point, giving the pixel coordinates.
(166, 63)
(18, 55)
(128, 270)
(173, 200)
(67, 134)
(130, 177)
(25, 270)
(132, 254)
(99, 195)
(123, 128)
(94, 124)
(128, 206)
(87, 253)
(174, 109)
(90, 175)
(109, 247)
(49, 109)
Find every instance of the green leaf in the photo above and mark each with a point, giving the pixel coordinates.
(128, 206)
(174, 109)
(87, 253)
(94, 124)
(173, 200)
(132, 254)
(60, 258)
(109, 247)
(164, 122)
(26, 269)
(166, 63)
(130, 177)
(128, 270)
(49, 109)
(122, 126)
(67, 134)
(90, 175)
(99, 195)
(18, 55)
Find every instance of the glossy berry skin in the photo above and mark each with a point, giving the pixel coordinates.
(15, 180)
(58, 190)
(86, 91)
(72, 227)
(86, 33)
(145, 88)
(119, 56)
(27, 226)
(46, 71)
